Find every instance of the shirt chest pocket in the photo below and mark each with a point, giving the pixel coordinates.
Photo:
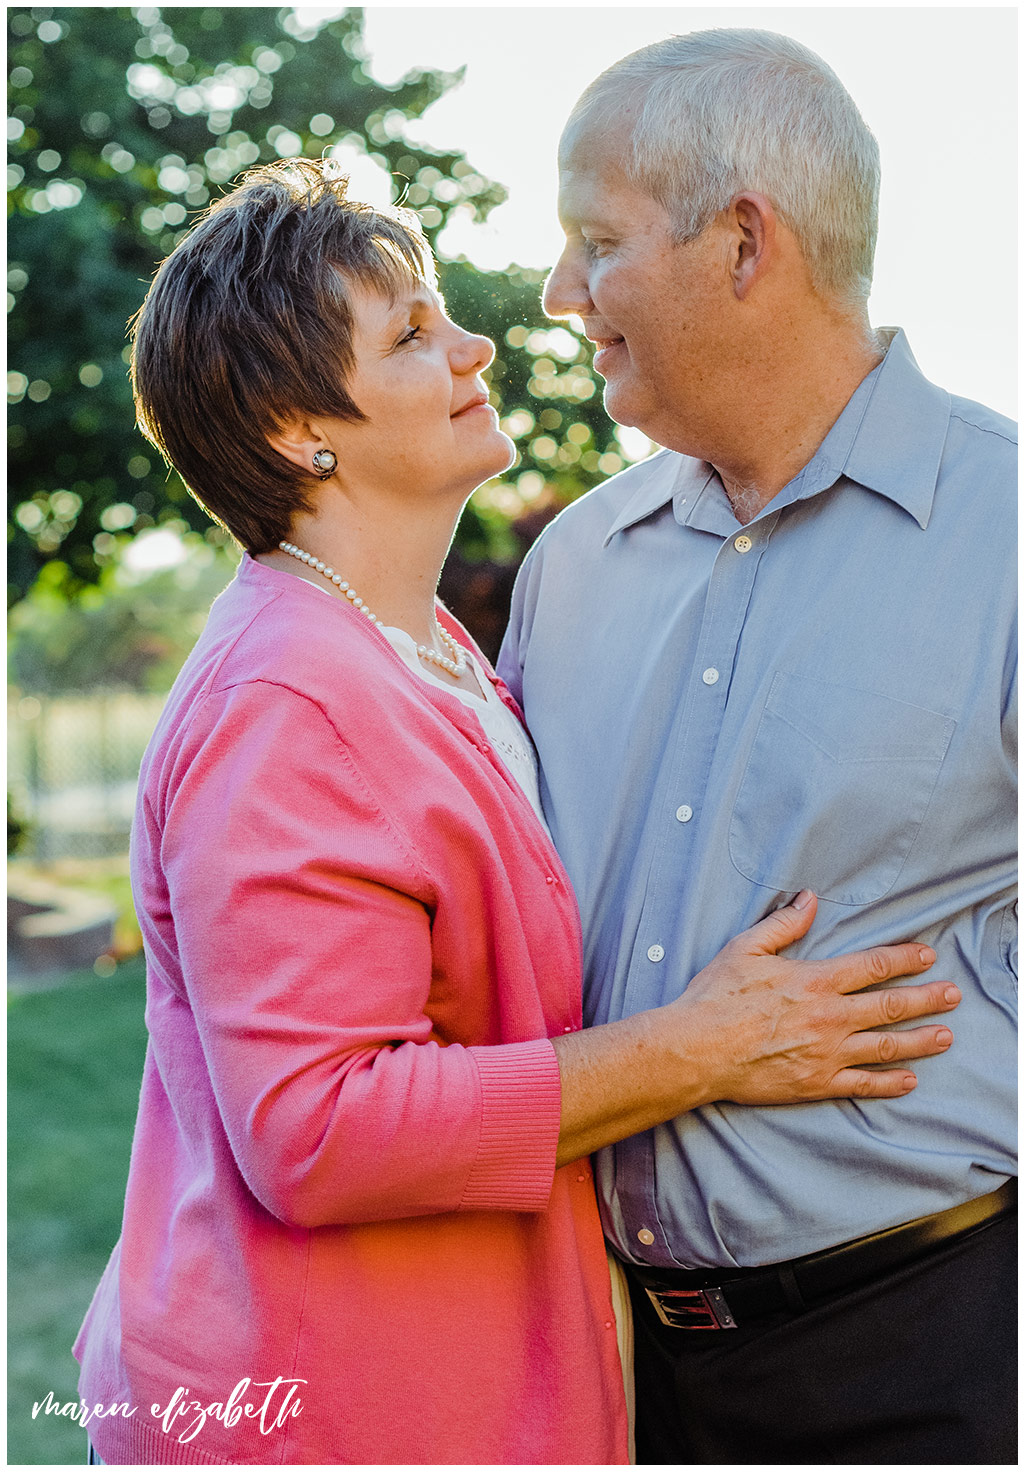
(835, 789)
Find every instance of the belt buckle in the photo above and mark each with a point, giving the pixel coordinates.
(692, 1308)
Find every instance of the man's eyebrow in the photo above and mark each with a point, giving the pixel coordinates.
(583, 216)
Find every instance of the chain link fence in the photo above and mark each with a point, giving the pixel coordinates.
(73, 766)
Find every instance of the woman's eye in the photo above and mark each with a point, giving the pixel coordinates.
(413, 334)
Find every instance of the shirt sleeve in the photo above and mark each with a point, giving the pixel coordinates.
(512, 655)
(303, 922)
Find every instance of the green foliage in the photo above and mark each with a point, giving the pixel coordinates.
(17, 829)
(127, 122)
(120, 633)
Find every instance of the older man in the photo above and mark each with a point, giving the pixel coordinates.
(779, 654)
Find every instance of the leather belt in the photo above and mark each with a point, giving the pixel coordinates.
(722, 1298)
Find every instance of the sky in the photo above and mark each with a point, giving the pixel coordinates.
(936, 84)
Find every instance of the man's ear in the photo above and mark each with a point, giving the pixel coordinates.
(298, 440)
(754, 225)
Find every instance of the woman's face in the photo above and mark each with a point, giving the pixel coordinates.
(429, 429)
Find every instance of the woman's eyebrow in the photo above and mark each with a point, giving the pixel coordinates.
(419, 302)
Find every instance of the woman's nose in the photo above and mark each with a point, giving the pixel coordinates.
(472, 353)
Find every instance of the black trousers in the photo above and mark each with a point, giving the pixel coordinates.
(918, 1367)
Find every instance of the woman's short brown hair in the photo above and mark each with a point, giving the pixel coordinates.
(248, 321)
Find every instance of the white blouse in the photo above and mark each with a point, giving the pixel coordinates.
(503, 730)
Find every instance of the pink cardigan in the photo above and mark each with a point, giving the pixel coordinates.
(359, 941)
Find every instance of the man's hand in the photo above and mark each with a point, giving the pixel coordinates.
(753, 1028)
(780, 1031)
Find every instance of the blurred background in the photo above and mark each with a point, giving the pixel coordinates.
(123, 124)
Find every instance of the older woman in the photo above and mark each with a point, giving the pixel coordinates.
(359, 1225)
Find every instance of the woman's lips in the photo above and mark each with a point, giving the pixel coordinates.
(472, 408)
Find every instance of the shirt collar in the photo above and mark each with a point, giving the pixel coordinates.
(670, 477)
(889, 438)
(898, 447)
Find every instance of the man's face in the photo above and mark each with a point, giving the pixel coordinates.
(653, 308)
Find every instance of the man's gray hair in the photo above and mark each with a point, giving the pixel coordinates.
(725, 111)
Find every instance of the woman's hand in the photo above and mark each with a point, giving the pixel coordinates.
(754, 1028)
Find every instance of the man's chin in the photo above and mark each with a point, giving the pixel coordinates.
(625, 406)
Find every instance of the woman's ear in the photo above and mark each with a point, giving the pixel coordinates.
(298, 440)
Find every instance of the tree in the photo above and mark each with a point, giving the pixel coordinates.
(124, 632)
(124, 124)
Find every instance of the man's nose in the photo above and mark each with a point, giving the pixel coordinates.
(566, 291)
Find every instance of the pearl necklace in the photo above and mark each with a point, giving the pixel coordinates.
(454, 662)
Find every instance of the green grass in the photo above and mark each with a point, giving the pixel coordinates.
(75, 1059)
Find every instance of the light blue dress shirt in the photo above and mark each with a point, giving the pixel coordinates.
(726, 714)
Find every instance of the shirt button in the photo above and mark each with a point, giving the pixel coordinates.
(567, 1028)
(655, 953)
(710, 677)
(551, 879)
(646, 1236)
(684, 814)
(743, 544)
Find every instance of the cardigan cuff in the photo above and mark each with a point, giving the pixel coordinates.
(520, 1118)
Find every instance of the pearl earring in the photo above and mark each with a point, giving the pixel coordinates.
(325, 462)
